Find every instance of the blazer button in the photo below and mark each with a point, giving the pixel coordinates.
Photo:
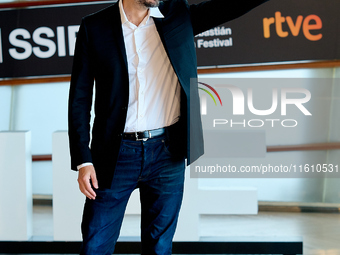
(124, 108)
(120, 135)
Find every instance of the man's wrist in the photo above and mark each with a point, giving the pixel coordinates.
(84, 164)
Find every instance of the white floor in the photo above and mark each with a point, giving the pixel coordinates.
(320, 231)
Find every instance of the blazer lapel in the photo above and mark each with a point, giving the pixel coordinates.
(118, 31)
(159, 26)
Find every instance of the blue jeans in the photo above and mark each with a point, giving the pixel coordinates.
(151, 167)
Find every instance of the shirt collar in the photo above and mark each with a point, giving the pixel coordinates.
(153, 12)
(156, 13)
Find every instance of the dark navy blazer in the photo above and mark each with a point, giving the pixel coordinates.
(100, 55)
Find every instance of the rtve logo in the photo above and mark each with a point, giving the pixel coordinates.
(309, 23)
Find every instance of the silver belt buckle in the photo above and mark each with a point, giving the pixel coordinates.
(142, 139)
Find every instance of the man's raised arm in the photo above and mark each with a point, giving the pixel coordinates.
(209, 14)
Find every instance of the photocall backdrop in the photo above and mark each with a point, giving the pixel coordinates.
(39, 41)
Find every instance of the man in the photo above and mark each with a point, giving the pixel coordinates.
(141, 54)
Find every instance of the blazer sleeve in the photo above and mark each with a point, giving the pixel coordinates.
(209, 14)
(80, 101)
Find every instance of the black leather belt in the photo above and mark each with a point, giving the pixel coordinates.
(144, 135)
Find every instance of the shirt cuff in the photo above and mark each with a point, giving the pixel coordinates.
(84, 164)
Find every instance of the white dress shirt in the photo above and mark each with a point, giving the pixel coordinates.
(154, 90)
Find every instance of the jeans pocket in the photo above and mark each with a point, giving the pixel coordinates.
(166, 147)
